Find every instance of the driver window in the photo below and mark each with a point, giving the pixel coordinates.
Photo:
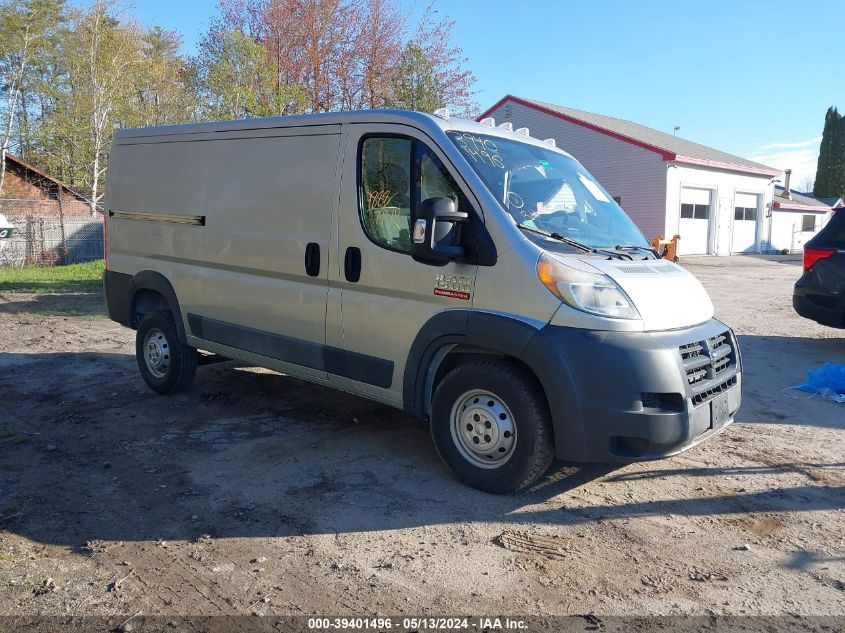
(397, 174)
(386, 191)
(435, 181)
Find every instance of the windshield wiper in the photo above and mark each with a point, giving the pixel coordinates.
(557, 236)
(574, 243)
(635, 247)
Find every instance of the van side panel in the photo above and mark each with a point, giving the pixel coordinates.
(157, 179)
(269, 198)
(259, 202)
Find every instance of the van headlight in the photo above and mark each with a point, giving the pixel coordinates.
(589, 292)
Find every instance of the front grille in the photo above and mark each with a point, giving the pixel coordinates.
(692, 354)
(712, 392)
(707, 362)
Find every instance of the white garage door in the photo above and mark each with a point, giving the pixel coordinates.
(694, 227)
(746, 211)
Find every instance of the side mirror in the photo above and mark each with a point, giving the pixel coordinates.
(437, 232)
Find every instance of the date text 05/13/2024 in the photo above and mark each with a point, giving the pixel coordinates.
(416, 624)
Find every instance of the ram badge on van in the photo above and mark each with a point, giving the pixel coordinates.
(470, 275)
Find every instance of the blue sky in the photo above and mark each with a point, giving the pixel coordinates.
(749, 77)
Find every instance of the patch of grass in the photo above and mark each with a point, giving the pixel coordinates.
(85, 277)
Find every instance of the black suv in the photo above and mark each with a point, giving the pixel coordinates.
(820, 293)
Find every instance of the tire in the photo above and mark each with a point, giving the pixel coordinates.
(157, 338)
(501, 405)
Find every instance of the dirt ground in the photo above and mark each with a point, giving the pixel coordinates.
(257, 493)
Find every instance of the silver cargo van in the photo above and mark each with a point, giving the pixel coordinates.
(466, 273)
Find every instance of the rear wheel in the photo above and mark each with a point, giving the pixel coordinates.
(166, 364)
(491, 425)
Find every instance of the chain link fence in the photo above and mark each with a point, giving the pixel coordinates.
(50, 232)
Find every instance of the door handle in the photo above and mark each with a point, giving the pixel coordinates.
(312, 259)
(352, 264)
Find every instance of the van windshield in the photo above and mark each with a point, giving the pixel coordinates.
(548, 191)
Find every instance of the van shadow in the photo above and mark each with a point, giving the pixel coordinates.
(772, 366)
(87, 453)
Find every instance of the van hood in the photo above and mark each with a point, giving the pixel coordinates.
(666, 295)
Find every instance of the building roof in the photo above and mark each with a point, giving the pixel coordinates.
(670, 147)
(798, 202)
(43, 176)
(833, 203)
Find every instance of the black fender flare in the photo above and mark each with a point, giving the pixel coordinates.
(444, 328)
(494, 332)
(152, 280)
(501, 334)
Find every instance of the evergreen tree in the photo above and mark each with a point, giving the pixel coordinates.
(837, 170)
(830, 172)
(416, 84)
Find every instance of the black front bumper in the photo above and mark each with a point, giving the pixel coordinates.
(622, 396)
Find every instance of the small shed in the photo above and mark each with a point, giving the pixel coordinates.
(52, 223)
(796, 218)
(27, 190)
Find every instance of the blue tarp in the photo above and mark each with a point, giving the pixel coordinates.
(828, 381)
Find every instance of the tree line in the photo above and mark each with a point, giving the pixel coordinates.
(73, 75)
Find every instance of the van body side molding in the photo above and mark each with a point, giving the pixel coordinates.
(193, 220)
(339, 362)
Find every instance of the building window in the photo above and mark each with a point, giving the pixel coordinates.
(695, 211)
(808, 223)
(745, 213)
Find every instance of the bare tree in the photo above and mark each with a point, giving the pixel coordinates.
(806, 185)
(451, 67)
(381, 40)
(344, 54)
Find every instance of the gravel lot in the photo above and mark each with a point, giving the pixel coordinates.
(257, 493)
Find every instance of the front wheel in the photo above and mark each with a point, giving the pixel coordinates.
(166, 364)
(491, 425)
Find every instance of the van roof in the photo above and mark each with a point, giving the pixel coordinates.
(419, 120)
